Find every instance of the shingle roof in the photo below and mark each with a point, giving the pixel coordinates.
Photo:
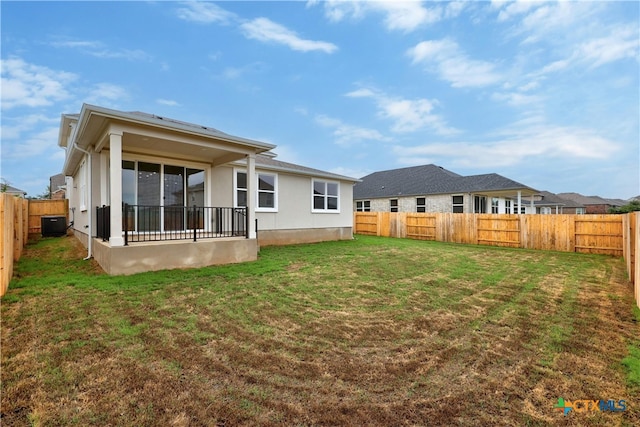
(551, 199)
(591, 200)
(429, 179)
(269, 162)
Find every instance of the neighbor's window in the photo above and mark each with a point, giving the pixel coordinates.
(393, 204)
(458, 204)
(579, 211)
(507, 206)
(495, 205)
(325, 196)
(545, 210)
(421, 204)
(363, 206)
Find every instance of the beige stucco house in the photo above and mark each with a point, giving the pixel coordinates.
(149, 193)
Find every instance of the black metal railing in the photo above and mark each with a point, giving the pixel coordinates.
(144, 223)
(103, 220)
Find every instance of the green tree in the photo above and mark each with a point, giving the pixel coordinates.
(632, 206)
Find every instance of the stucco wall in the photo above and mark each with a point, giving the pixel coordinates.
(165, 255)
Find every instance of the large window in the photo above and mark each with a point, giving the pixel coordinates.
(421, 204)
(458, 204)
(161, 194)
(363, 206)
(326, 195)
(267, 190)
(479, 204)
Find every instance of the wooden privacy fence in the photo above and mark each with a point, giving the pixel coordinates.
(40, 208)
(14, 212)
(616, 235)
(19, 219)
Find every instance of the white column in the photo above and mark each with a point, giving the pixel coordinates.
(104, 179)
(115, 188)
(252, 194)
(519, 201)
(532, 206)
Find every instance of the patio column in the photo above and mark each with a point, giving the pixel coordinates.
(104, 177)
(115, 188)
(252, 194)
(531, 205)
(519, 201)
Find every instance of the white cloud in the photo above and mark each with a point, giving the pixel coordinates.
(347, 134)
(167, 102)
(24, 124)
(407, 115)
(205, 13)
(621, 43)
(29, 85)
(107, 94)
(445, 58)
(516, 145)
(100, 50)
(34, 145)
(398, 15)
(265, 30)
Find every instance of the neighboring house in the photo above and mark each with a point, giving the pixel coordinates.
(431, 188)
(150, 193)
(550, 203)
(13, 190)
(57, 187)
(593, 204)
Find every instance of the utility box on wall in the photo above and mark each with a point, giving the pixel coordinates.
(53, 226)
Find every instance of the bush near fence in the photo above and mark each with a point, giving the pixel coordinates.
(19, 220)
(616, 235)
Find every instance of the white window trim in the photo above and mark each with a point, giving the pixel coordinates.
(275, 192)
(329, 211)
(458, 204)
(257, 198)
(363, 208)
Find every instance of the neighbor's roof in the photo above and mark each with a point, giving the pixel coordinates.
(551, 199)
(269, 162)
(591, 200)
(13, 190)
(431, 179)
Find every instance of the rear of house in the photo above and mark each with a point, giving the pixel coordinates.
(148, 193)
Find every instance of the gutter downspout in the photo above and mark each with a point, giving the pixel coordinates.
(89, 196)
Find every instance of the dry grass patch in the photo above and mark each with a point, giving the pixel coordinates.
(373, 331)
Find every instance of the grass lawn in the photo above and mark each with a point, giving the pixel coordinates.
(373, 331)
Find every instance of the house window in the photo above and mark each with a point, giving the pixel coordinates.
(495, 205)
(507, 206)
(421, 203)
(326, 196)
(267, 184)
(479, 204)
(393, 205)
(267, 191)
(458, 204)
(545, 210)
(160, 194)
(579, 211)
(363, 206)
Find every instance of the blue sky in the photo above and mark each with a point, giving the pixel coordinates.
(547, 94)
